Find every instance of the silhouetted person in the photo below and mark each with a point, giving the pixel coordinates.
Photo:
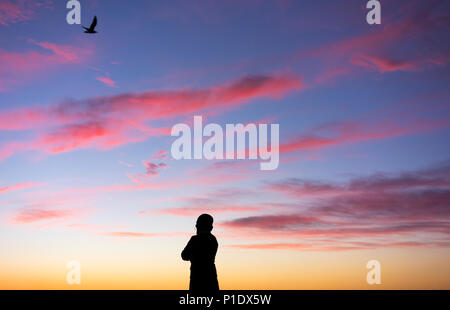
(201, 251)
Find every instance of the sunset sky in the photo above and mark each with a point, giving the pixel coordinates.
(86, 171)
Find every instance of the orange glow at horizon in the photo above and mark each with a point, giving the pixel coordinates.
(238, 269)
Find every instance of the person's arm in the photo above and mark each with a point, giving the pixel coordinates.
(187, 252)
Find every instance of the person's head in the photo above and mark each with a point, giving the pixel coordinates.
(204, 223)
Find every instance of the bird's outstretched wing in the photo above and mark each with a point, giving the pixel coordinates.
(94, 23)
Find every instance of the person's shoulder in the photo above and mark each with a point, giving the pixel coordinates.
(213, 237)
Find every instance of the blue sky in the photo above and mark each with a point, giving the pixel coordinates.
(363, 113)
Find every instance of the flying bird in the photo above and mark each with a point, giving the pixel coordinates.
(91, 29)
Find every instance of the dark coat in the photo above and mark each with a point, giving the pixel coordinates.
(201, 252)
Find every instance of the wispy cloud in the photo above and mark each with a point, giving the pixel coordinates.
(412, 205)
(17, 68)
(196, 211)
(65, 53)
(420, 28)
(36, 215)
(378, 127)
(18, 186)
(160, 155)
(108, 122)
(43, 209)
(106, 80)
(19, 11)
(383, 64)
(215, 202)
(324, 246)
(133, 234)
(152, 168)
(86, 226)
(125, 164)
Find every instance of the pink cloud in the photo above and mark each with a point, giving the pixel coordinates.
(107, 122)
(71, 137)
(334, 134)
(406, 42)
(107, 81)
(18, 186)
(300, 188)
(18, 67)
(153, 169)
(42, 209)
(65, 53)
(324, 247)
(131, 234)
(419, 22)
(28, 216)
(271, 221)
(22, 119)
(219, 173)
(196, 211)
(86, 226)
(329, 76)
(386, 64)
(215, 202)
(265, 246)
(383, 65)
(19, 11)
(161, 154)
(128, 234)
(138, 185)
(406, 208)
(125, 164)
(98, 135)
(142, 182)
